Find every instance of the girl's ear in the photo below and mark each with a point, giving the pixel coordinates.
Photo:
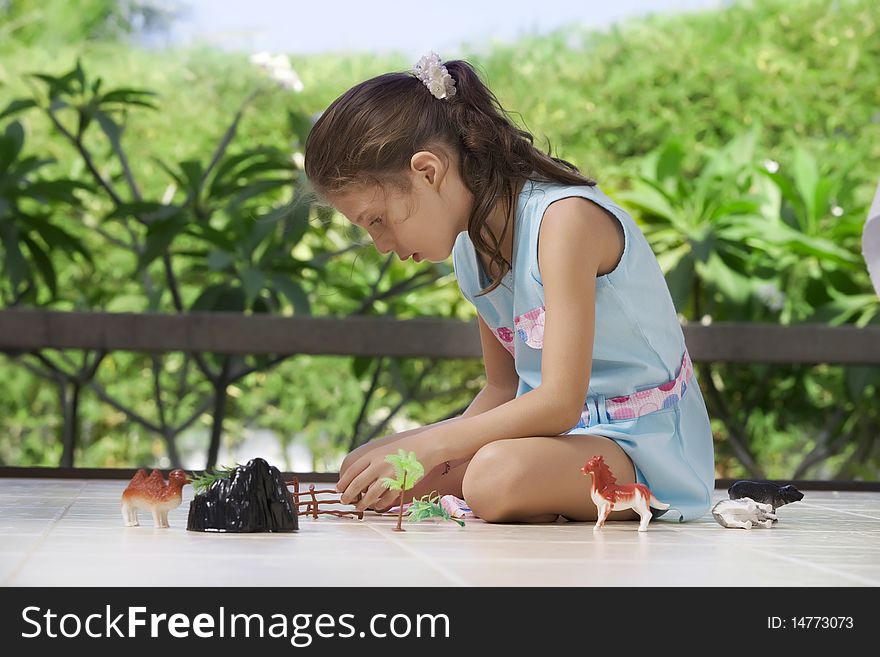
(428, 167)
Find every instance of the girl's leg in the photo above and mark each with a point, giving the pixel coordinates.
(537, 479)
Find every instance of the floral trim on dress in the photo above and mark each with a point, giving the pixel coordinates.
(645, 401)
(530, 327)
(653, 399)
(505, 337)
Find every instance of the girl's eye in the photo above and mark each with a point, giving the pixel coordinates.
(374, 221)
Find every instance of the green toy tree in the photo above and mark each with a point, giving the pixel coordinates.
(428, 506)
(407, 471)
(201, 483)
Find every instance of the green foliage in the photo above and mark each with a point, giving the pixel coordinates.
(407, 471)
(744, 141)
(428, 506)
(738, 228)
(202, 482)
(45, 23)
(26, 205)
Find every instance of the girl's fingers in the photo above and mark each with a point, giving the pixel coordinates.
(388, 499)
(385, 499)
(358, 485)
(374, 492)
(345, 478)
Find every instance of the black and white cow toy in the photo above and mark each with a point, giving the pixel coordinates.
(743, 513)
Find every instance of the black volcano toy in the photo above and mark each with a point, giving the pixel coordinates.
(253, 498)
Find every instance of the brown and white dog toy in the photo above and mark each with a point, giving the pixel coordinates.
(152, 494)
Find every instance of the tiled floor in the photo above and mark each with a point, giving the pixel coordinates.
(70, 532)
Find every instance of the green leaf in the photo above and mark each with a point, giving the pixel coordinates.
(669, 161)
(111, 129)
(859, 377)
(294, 293)
(227, 172)
(296, 222)
(11, 144)
(404, 463)
(648, 198)
(220, 260)
(252, 281)
(79, 74)
(57, 237)
(211, 235)
(202, 482)
(128, 97)
(786, 187)
(781, 234)
(160, 235)
(390, 484)
(360, 364)
(44, 264)
(192, 171)
(259, 229)
(300, 124)
(680, 280)
(806, 178)
(255, 189)
(28, 165)
(15, 264)
(732, 284)
(181, 183)
(46, 191)
(16, 106)
(428, 506)
(221, 297)
(703, 244)
(144, 210)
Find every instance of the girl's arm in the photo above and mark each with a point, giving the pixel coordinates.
(573, 245)
(488, 398)
(502, 381)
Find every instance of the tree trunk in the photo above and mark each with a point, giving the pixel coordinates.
(70, 430)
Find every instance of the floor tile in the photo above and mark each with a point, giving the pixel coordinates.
(71, 533)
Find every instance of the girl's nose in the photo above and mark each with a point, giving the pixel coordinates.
(383, 246)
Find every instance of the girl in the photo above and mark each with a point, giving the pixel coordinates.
(583, 351)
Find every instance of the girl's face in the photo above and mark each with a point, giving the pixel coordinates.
(426, 224)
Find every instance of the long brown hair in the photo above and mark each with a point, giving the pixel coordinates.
(368, 135)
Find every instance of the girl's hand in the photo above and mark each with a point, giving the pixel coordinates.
(352, 457)
(360, 484)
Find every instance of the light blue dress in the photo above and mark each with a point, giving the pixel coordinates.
(643, 392)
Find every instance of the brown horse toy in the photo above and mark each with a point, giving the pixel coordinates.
(608, 496)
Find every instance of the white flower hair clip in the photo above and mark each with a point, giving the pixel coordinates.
(435, 76)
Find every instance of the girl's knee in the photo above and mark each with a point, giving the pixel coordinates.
(492, 482)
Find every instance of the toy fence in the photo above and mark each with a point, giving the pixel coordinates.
(312, 503)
